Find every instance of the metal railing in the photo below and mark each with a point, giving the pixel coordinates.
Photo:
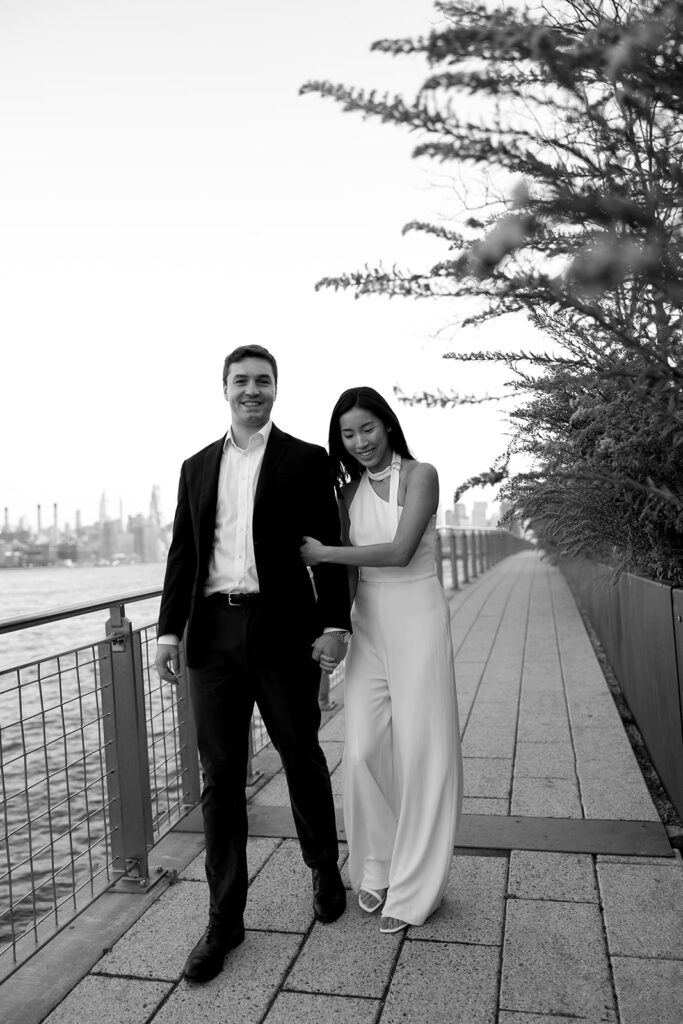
(466, 554)
(97, 761)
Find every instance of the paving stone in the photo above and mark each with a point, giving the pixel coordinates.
(554, 960)
(542, 676)
(280, 897)
(243, 991)
(552, 876)
(608, 743)
(337, 781)
(473, 906)
(545, 760)
(483, 805)
(333, 751)
(484, 741)
(158, 943)
(194, 872)
(441, 983)
(543, 702)
(599, 714)
(487, 776)
(539, 727)
(649, 990)
(465, 702)
(494, 714)
(468, 675)
(333, 729)
(274, 794)
(110, 1001)
(348, 957)
(258, 851)
(302, 1008)
(615, 796)
(546, 798)
(643, 907)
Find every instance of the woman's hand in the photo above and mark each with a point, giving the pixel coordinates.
(312, 551)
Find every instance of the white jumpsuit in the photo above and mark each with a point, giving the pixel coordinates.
(402, 769)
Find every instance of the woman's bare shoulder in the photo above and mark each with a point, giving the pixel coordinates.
(419, 473)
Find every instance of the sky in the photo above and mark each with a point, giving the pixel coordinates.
(166, 195)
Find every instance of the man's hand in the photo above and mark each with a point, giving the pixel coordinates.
(328, 651)
(167, 662)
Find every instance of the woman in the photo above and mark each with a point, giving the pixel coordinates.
(402, 763)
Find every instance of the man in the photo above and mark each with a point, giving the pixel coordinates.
(257, 631)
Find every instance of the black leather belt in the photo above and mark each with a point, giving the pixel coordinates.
(238, 599)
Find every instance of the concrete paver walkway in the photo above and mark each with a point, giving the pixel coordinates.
(552, 914)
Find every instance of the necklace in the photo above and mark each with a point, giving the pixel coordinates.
(384, 473)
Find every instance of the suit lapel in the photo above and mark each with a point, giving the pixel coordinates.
(275, 450)
(208, 495)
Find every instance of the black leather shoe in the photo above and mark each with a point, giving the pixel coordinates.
(206, 959)
(329, 894)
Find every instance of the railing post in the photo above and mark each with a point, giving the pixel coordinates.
(465, 556)
(125, 734)
(439, 557)
(482, 553)
(452, 547)
(475, 558)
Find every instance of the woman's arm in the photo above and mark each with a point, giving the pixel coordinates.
(421, 502)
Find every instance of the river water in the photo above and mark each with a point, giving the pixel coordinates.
(29, 591)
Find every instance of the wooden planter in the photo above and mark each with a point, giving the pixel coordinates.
(639, 623)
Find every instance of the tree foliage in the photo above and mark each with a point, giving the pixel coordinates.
(579, 132)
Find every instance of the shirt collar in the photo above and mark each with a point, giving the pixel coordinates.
(260, 437)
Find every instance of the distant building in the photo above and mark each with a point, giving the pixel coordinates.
(457, 516)
(480, 519)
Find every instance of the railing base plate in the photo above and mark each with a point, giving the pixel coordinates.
(139, 886)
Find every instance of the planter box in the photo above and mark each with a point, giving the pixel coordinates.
(639, 623)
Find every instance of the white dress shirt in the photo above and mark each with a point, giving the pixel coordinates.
(233, 565)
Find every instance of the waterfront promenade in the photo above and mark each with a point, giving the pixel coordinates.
(565, 900)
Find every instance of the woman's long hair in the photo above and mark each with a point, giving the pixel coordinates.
(344, 466)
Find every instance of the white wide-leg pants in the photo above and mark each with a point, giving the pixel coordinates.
(402, 769)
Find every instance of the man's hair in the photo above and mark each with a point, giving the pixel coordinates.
(248, 352)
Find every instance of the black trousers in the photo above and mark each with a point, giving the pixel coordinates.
(241, 663)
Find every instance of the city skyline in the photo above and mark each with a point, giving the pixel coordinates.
(40, 524)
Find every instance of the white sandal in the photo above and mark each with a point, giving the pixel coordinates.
(389, 925)
(370, 900)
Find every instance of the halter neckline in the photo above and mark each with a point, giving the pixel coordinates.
(395, 461)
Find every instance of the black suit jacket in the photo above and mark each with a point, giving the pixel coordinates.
(294, 497)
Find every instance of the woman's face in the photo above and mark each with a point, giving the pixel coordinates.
(365, 438)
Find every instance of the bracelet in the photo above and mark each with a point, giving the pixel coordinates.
(342, 635)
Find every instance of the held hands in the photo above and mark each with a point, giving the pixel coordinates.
(328, 651)
(312, 551)
(167, 662)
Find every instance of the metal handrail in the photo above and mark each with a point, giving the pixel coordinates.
(71, 611)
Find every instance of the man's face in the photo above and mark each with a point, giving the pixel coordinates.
(250, 392)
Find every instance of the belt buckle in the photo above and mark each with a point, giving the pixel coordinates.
(237, 602)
